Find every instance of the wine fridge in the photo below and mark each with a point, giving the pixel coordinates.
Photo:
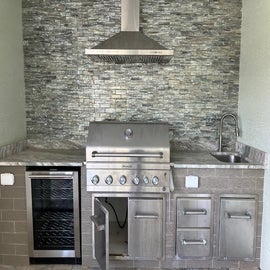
(53, 214)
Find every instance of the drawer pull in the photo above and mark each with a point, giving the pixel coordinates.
(190, 212)
(239, 216)
(185, 242)
(100, 227)
(145, 216)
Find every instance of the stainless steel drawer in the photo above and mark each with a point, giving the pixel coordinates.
(193, 212)
(193, 243)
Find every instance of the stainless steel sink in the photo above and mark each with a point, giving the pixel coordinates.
(229, 157)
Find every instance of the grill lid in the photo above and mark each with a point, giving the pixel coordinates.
(128, 142)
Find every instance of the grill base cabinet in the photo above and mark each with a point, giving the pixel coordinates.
(127, 228)
(194, 218)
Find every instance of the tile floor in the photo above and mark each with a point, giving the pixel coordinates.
(44, 267)
(66, 267)
(70, 267)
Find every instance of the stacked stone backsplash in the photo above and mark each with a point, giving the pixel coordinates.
(65, 90)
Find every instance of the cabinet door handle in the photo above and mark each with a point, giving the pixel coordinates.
(239, 216)
(100, 227)
(146, 216)
(189, 212)
(185, 242)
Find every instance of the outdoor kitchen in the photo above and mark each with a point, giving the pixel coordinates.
(128, 201)
(131, 136)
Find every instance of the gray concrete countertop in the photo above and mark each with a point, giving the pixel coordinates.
(206, 160)
(45, 157)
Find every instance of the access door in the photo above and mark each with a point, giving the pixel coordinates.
(237, 228)
(101, 234)
(145, 228)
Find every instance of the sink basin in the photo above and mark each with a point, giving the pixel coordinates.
(229, 157)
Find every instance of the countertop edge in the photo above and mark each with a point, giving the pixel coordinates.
(217, 166)
(45, 163)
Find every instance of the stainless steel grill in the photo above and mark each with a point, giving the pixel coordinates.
(128, 157)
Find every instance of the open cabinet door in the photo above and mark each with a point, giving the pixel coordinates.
(101, 234)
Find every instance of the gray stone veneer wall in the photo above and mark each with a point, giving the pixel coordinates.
(65, 89)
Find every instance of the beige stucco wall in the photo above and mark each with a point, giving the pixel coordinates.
(254, 97)
(12, 97)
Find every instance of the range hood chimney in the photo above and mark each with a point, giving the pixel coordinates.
(130, 45)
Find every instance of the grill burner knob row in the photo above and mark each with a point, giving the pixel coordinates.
(155, 180)
(109, 180)
(95, 180)
(136, 180)
(122, 180)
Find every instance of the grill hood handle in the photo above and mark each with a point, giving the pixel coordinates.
(142, 155)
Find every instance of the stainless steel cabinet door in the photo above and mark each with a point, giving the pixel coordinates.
(237, 228)
(100, 220)
(145, 237)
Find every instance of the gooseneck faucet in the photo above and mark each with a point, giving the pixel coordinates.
(221, 128)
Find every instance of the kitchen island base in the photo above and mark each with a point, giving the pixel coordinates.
(217, 186)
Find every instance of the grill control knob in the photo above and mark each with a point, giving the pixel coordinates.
(122, 180)
(136, 180)
(146, 180)
(155, 180)
(109, 180)
(95, 180)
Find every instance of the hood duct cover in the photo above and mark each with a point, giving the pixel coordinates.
(130, 45)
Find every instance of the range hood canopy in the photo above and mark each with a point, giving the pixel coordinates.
(130, 45)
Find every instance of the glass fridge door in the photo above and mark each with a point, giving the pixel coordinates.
(52, 213)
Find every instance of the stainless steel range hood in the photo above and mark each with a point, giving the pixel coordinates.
(130, 45)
